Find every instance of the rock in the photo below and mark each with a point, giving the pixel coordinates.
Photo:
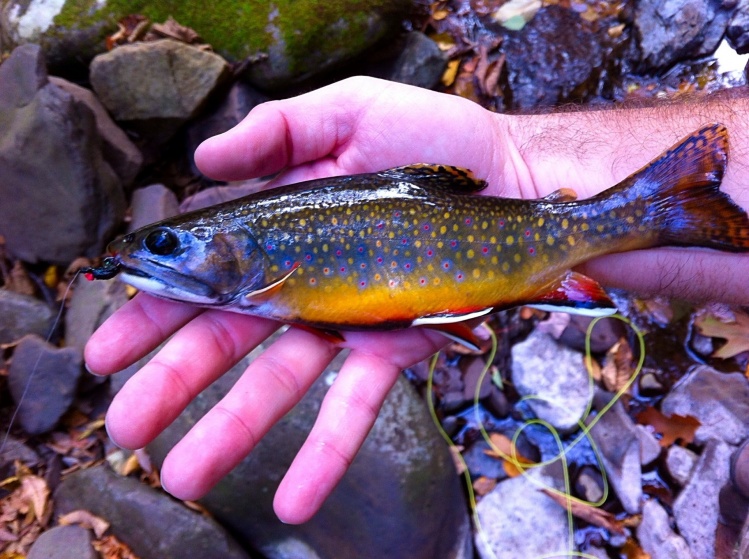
(55, 378)
(150, 204)
(737, 32)
(618, 442)
(605, 334)
(399, 498)
(121, 154)
(481, 464)
(23, 315)
(656, 536)
(672, 30)
(151, 523)
(421, 63)
(156, 87)
(237, 104)
(91, 304)
(743, 544)
(472, 370)
(555, 58)
(680, 462)
(286, 40)
(720, 401)
(13, 450)
(733, 507)
(51, 152)
(696, 508)
(740, 469)
(589, 484)
(63, 542)
(650, 448)
(555, 377)
(518, 520)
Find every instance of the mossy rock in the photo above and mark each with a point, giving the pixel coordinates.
(292, 39)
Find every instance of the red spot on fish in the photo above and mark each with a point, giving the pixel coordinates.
(287, 263)
(468, 221)
(312, 281)
(361, 250)
(269, 247)
(308, 257)
(430, 252)
(485, 250)
(404, 241)
(326, 271)
(339, 252)
(343, 269)
(362, 284)
(527, 233)
(396, 214)
(459, 277)
(501, 222)
(362, 265)
(531, 250)
(423, 281)
(453, 243)
(407, 266)
(379, 260)
(426, 227)
(380, 225)
(446, 265)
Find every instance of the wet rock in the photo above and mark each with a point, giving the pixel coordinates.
(619, 444)
(680, 462)
(55, 378)
(737, 32)
(399, 498)
(720, 401)
(656, 536)
(287, 40)
(121, 154)
(589, 484)
(23, 315)
(151, 523)
(237, 104)
(518, 520)
(13, 450)
(733, 507)
(91, 304)
(605, 334)
(421, 63)
(696, 508)
(555, 58)
(481, 464)
(150, 204)
(156, 87)
(63, 542)
(51, 153)
(472, 370)
(672, 30)
(740, 469)
(554, 376)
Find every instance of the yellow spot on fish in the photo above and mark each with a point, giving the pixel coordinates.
(447, 215)
(505, 266)
(484, 225)
(540, 221)
(302, 222)
(470, 253)
(550, 240)
(565, 223)
(470, 238)
(600, 228)
(516, 258)
(443, 229)
(334, 221)
(584, 227)
(510, 239)
(476, 273)
(571, 240)
(274, 268)
(325, 248)
(630, 219)
(495, 260)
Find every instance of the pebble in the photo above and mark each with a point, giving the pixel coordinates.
(22, 315)
(50, 392)
(151, 204)
(63, 542)
(554, 378)
(680, 462)
(421, 63)
(656, 536)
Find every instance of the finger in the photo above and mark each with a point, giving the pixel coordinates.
(133, 331)
(197, 355)
(270, 387)
(347, 414)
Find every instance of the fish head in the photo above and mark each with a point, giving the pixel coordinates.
(200, 264)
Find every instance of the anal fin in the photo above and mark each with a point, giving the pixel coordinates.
(575, 293)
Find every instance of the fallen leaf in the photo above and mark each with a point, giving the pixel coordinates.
(36, 493)
(460, 464)
(617, 369)
(503, 448)
(670, 428)
(170, 29)
(448, 77)
(589, 513)
(86, 520)
(515, 14)
(632, 550)
(484, 485)
(736, 333)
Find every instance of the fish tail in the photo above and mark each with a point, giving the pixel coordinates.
(683, 200)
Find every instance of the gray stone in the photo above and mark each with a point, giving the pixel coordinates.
(680, 462)
(619, 444)
(743, 544)
(696, 509)
(156, 87)
(63, 542)
(518, 520)
(42, 379)
(720, 401)
(650, 448)
(606, 332)
(672, 30)
(558, 45)
(400, 497)
(23, 315)
(59, 198)
(91, 304)
(554, 378)
(151, 523)
(421, 63)
(219, 194)
(738, 29)
(121, 154)
(656, 536)
(150, 204)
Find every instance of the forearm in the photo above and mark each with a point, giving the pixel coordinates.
(590, 150)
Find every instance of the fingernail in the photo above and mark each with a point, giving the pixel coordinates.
(91, 371)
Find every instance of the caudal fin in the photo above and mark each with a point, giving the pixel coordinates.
(684, 201)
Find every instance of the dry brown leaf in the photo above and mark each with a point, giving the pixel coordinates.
(86, 520)
(632, 550)
(448, 77)
(735, 333)
(589, 513)
(504, 449)
(36, 493)
(484, 485)
(109, 547)
(617, 368)
(171, 29)
(671, 428)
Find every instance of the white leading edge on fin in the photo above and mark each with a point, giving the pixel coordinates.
(449, 319)
(576, 310)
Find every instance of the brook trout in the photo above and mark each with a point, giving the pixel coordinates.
(413, 246)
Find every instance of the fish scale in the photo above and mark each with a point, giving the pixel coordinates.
(414, 245)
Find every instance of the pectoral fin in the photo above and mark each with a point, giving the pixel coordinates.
(577, 294)
(561, 195)
(453, 326)
(270, 289)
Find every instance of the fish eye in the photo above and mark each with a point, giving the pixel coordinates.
(162, 242)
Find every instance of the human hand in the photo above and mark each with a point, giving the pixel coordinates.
(355, 126)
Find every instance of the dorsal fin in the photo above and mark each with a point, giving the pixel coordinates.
(561, 195)
(447, 177)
